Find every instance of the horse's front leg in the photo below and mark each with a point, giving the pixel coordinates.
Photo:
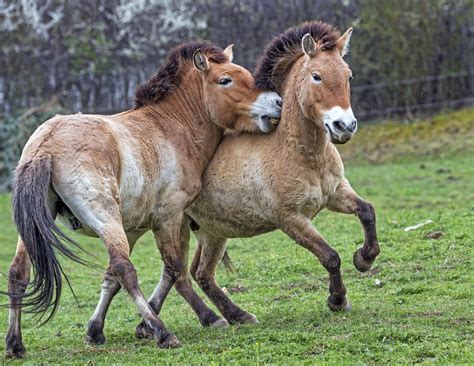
(176, 272)
(300, 229)
(346, 200)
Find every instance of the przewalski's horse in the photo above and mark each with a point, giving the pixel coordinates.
(256, 184)
(116, 177)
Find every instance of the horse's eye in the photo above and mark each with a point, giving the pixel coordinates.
(225, 81)
(317, 78)
(351, 78)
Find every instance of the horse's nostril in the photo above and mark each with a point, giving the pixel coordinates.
(352, 126)
(339, 125)
(279, 102)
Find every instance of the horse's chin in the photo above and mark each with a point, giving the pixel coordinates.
(340, 140)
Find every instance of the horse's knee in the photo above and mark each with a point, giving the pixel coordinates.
(120, 267)
(333, 262)
(182, 283)
(203, 279)
(174, 269)
(125, 273)
(18, 278)
(15, 273)
(366, 212)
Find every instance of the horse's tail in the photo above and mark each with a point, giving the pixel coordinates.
(228, 264)
(40, 235)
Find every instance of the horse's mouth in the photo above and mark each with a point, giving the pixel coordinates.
(271, 120)
(335, 139)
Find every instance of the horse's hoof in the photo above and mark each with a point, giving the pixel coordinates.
(15, 349)
(142, 331)
(245, 318)
(95, 339)
(219, 323)
(360, 263)
(344, 306)
(95, 333)
(168, 341)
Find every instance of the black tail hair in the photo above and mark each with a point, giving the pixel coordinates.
(40, 236)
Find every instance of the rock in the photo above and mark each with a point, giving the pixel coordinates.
(434, 235)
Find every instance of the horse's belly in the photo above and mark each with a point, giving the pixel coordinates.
(229, 212)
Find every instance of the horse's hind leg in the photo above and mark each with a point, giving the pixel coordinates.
(300, 229)
(208, 254)
(110, 287)
(101, 213)
(18, 279)
(346, 200)
(95, 328)
(125, 274)
(184, 287)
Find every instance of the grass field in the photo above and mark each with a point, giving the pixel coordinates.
(422, 310)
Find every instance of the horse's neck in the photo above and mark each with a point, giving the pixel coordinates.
(304, 140)
(185, 117)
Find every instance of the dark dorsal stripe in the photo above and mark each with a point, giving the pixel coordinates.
(284, 49)
(168, 76)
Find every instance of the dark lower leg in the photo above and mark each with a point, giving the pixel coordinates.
(95, 328)
(233, 313)
(365, 256)
(346, 200)
(18, 279)
(208, 255)
(337, 292)
(168, 241)
(125, 273)
(156, 302)
(161, 291)
(206, 316)
(302, 231)
(184, 287)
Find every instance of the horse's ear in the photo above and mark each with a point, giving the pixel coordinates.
(308, 45)
(343, 42)
(200, 61)
(229, 52)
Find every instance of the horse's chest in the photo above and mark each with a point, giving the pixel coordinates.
(312, 201)
(316, 193)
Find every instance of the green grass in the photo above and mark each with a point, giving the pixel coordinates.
(422, 313)
(440, 136)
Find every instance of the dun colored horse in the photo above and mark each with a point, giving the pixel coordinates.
(116, 177)
(256, 184)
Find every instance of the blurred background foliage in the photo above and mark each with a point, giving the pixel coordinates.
(407, 56)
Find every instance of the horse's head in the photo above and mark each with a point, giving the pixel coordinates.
(231, 97)
(324, 93)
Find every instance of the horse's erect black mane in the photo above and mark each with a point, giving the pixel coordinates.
(285, 48)
(168, 76)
